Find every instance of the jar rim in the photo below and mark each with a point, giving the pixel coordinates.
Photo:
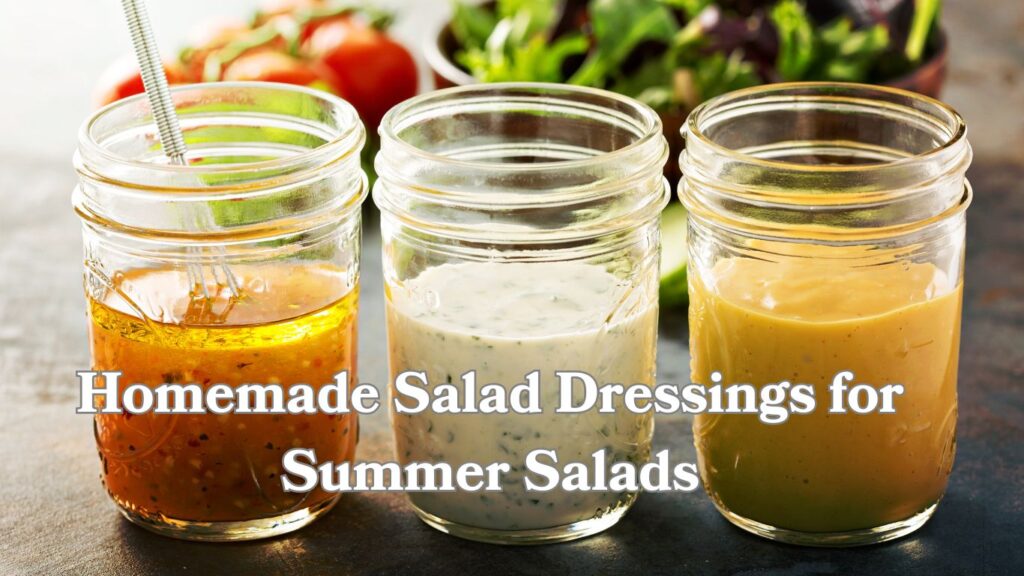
(479, 162)
(911, 155)
(390, 122)
(306, 170)
(341, 145)
(957, 132)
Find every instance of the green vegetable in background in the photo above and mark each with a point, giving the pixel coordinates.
(472, 24)
(533, 61)
(926, 14)
(674, 54)
(619, 27)
(834, 52)
(674, 257)
(796, 39)
(517, 45)
(513, 42)
(849, 54)
(699, 75)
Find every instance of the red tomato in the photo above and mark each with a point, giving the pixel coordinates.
(205, 39)
(270, 66)
(372, 71)
(308, 15)
(123, 79)
(335, 32)
(311, 26)
(225, 40)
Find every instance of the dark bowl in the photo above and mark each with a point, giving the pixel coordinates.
(930, 76)
(439, 51)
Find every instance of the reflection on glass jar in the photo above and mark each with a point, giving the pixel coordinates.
(827, 234)
(521, 233)
(239, 268)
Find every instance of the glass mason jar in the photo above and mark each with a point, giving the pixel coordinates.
(826, 227)
(241, 267)
(520, 225)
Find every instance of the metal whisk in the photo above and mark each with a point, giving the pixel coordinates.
(154, 80)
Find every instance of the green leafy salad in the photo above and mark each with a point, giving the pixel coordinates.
(677, 53)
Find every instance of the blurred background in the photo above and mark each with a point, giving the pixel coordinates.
(56, 57)
(53, 59)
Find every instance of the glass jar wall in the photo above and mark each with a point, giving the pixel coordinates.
(241, 267)
(520, 227)
(827, 234)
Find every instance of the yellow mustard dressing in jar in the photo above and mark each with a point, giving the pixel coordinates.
(827, 235)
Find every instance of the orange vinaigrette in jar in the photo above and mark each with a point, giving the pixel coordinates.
(216, 468)
(240, 268)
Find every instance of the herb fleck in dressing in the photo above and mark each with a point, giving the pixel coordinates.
(504, 320)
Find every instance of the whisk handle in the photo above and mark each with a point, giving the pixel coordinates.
(154, 80)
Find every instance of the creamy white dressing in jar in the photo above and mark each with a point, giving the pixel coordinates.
(503, 321)
(521, 233)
